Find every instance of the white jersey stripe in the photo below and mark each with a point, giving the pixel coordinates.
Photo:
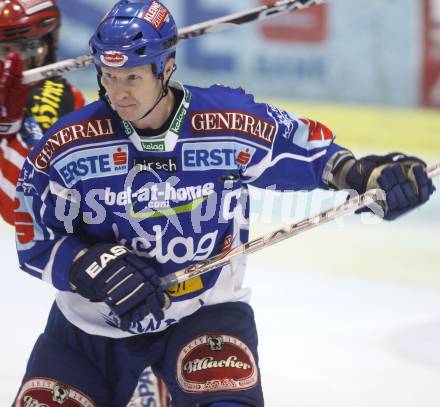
(298, 157)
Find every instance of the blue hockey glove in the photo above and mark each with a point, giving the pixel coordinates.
(125, 282)
(402, 178)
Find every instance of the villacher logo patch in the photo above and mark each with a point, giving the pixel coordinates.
(216, 362)
(45, 392)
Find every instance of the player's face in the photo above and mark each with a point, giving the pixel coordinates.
(132, 91)
(33, 52)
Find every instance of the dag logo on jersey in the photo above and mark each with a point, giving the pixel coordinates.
(93, 163)
(178, 249)
(216, 156)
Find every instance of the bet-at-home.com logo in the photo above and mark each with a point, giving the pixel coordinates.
(159, 197)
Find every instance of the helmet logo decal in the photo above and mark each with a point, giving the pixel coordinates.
(113, 58)
(33, 6)
(156, 15)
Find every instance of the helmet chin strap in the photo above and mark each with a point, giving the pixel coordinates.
(163, 92)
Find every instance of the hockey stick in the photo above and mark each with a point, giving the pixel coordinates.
(220, 260)
(192, 31)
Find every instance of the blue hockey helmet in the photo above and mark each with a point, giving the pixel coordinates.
(134, 33)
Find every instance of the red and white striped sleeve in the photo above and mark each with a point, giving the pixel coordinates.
(13, 152)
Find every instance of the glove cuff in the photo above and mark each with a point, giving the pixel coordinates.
(359, 175)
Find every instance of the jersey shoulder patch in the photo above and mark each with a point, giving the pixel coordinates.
(85, 125)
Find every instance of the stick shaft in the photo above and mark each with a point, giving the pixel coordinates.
(244, 17)
(192, 31)
(222, 259)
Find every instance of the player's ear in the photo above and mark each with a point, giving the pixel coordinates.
(169, 68)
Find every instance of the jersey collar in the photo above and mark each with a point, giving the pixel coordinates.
(168, 139)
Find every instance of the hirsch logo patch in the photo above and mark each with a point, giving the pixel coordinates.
(113, 58)
(151, 163)
(233, 121)
(216, 362)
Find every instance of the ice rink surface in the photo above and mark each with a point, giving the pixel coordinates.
(348, 313)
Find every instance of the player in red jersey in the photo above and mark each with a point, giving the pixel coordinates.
(28, 39)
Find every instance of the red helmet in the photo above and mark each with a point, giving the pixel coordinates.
(24, 20)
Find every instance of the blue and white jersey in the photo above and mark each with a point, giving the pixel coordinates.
(174, 199)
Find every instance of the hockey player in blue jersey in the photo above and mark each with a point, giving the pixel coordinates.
(150, 179)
